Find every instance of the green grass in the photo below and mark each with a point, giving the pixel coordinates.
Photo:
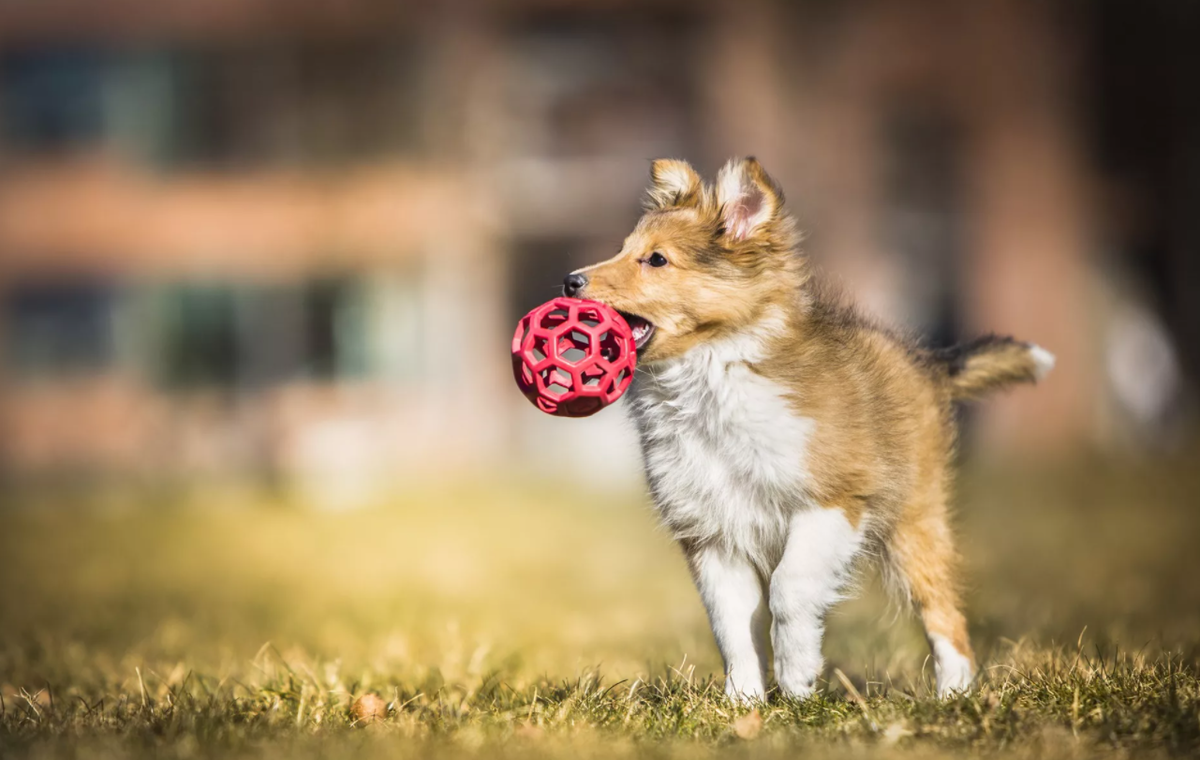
(537, 621)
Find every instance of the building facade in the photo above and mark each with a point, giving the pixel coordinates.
(291, 238)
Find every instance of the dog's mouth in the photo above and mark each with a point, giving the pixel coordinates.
(643, 329)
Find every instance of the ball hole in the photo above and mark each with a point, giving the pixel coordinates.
(610, 348)
(554, 318)
(592, 377)
(573, 346)
(556, 382)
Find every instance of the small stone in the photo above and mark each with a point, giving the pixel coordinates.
(748, 726)
(369, 708)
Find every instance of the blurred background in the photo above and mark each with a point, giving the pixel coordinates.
(286, 241)
(261, 261)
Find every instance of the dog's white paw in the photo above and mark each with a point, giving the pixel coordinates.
(744, 693)
(954, 670)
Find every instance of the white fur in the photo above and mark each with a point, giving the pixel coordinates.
(732, 591)
(724, 452)
(953, 669)
(726, 458)
(1043, 361)
(816, 565)
(725, 455)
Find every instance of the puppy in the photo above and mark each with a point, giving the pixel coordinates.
(783, 435)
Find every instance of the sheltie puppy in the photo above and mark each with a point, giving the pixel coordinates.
(784, 435)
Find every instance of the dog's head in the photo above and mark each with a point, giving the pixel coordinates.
(702, 262)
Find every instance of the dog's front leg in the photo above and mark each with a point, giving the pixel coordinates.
(817, 558)
(733, 594)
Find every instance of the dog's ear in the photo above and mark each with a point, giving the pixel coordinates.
(673, 184)
(749, 199)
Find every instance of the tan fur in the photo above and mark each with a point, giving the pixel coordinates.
(884, 433)
(1002, 363)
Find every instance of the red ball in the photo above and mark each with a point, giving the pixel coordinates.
(572, 357)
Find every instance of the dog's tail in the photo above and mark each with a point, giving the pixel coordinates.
(992, 362)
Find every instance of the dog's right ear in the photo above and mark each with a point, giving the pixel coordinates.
(673, 184)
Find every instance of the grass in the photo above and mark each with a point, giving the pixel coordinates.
(527, 621)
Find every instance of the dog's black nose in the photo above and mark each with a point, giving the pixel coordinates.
(572, 284)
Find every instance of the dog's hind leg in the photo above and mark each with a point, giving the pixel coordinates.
(733, 594)
(923, 565)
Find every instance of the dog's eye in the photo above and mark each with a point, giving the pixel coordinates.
(657, 260)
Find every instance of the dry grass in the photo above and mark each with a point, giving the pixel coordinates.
(520, 621)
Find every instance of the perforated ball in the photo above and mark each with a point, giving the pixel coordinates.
(572, 358)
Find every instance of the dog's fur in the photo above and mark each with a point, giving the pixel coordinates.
(783, 434)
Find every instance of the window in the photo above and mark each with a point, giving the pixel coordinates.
(585, 84)
(254, 336)
(198, 336)
(334, 329)
(58, 328)
(922, 216)
(392, 318)
(269, 103)
(323, 102)
(51, 101)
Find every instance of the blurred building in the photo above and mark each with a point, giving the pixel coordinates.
(290, 237)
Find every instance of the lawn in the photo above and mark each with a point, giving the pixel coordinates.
(545, 620)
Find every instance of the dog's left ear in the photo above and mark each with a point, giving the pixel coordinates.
(749, 199)
(673, 184)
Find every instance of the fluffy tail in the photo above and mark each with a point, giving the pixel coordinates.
(992, 362)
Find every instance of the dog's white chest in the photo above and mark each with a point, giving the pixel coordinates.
(724, 453)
